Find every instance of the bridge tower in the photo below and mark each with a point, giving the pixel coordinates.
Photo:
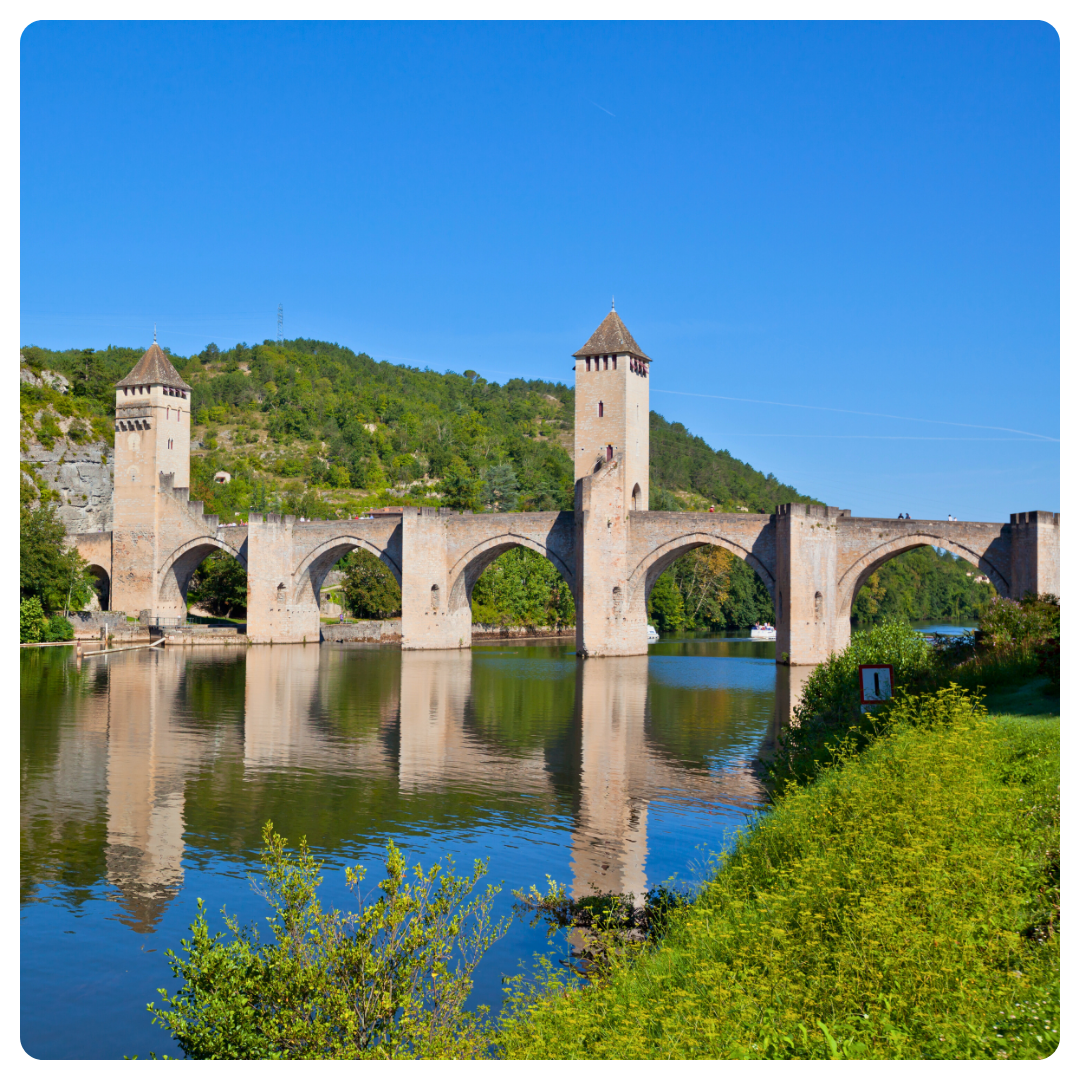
(611, 408)
(611, 473)
(153, 437)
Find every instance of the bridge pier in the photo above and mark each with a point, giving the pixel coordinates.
(431, 617)
(1035, 562)
(274, 611)
(610, 620)
(809, 624)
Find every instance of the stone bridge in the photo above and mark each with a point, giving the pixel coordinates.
(609, 549)
(813, 560)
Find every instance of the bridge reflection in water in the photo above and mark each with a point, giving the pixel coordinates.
(186, 752)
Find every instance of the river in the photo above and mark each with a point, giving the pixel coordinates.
(146, 778)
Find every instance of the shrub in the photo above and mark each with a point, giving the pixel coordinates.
(59, 629)
(375, 984)
(1049, 658)
(831, 694)
(1020, 622)
(31, 620)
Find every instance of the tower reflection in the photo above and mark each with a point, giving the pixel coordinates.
(610, 841)
(521, 739)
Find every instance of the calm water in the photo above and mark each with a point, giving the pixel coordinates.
(146, 778)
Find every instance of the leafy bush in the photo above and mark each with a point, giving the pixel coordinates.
(219, 584)
(32, 621)
(49, 570)
(612, 924)
(59, 629)
(831, 694)
(1020, 622)
(375, 984)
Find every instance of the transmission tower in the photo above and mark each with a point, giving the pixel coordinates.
(280, 324)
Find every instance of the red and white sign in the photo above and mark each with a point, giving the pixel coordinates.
(875, 683)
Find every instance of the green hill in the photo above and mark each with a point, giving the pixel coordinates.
(313, 428)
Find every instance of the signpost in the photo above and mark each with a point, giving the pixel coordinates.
(875, 684)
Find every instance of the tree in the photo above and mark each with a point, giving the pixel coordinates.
(522, 588)
(460, 490)
(703, 578)
(500, 489)
(389, 981)
(219, 584)
(666, 611)
(57, 575)
(31, 620)
(369, 589)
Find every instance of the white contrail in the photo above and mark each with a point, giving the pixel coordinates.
(602, 109)
(856, 412)
(903, 438)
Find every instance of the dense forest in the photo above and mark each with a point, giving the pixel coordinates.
(314, 429)
(923, 584)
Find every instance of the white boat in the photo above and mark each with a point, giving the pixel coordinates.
(653, 635)
(763, 633)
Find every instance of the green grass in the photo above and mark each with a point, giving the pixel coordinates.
(903, 905)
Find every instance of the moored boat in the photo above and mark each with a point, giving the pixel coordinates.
(763, 632)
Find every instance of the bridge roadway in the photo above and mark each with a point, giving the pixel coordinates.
(812, 559)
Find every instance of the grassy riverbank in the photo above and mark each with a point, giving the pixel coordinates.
(901, 906)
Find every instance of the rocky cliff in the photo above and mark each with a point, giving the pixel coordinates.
(80, 471)
(83, 477)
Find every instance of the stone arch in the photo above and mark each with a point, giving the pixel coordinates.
(175, 572)
(644, 575)
(102, 584)
(855, 577)
(467, 570)
(311, 573)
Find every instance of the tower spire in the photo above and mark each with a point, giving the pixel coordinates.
(613, 303)
(155, 324)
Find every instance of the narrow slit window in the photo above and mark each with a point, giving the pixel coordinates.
(600, 409)
(614, 363)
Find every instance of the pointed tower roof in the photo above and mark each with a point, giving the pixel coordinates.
(154, 369)
(611, 336)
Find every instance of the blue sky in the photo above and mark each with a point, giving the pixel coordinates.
(833, 216)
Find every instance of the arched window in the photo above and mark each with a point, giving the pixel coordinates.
(635, 498)
(281, 593)
(610, 452)
(819, 601)
(600, 409)
(434, 597)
